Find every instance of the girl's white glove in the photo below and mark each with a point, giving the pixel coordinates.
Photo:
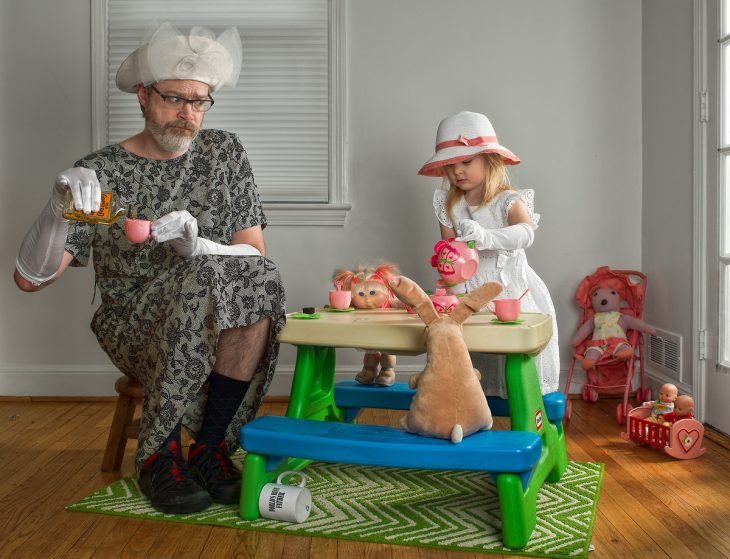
(42, 248)
(513, 237)
(181, 230)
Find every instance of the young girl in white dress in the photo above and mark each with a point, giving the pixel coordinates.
(476, 203)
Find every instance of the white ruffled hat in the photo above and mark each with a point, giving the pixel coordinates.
(462, 136)
(170, 55)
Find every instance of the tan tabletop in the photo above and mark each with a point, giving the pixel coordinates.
(396, 331)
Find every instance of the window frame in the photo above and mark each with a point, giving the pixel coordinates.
(332, 213)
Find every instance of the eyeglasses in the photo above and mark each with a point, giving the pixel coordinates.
(178, 103)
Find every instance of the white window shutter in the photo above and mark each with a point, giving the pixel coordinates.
(281, 105)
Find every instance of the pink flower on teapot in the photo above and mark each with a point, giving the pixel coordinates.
(455, 261)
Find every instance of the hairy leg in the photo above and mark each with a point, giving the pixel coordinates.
(241, 350)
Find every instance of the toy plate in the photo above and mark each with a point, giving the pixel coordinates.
(332, 309)
(305, 316)
(497, 321)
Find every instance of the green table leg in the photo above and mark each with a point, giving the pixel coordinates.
(518, 510)
(312, 393)
(254, 479)
(312, 397)
(527, 413)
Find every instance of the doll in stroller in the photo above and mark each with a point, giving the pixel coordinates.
(609, 341)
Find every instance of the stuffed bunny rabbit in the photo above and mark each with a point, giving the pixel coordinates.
(449, 401)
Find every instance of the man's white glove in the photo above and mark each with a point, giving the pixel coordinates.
(42, 248)
(181, 230)
(513, 237)
(84, 187)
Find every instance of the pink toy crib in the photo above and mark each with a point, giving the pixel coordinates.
(682, 439)
(612, 376)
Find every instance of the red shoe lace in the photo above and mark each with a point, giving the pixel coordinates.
(221, 457)
(174, 460)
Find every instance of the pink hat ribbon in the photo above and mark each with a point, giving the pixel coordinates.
(464, 141)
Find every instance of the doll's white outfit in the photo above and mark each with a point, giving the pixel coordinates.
(510, 268)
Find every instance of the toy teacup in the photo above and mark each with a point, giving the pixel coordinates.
(340, 299)
(137, 230)
(455, 261)
(507, 310)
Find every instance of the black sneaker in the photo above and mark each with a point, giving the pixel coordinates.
(215, 472)
(166, 482)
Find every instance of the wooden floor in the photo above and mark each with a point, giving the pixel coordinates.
(650, 505)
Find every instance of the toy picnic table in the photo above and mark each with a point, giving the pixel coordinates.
(316, 425)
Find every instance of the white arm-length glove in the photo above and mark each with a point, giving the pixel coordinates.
(42, 248)
(181, 230)
(513, 237)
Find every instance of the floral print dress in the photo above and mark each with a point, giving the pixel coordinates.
(160, 313)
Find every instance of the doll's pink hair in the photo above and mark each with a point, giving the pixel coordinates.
(382, 274)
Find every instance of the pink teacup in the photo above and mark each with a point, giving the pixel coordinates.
(455, 261)
(340, 299)
(507, 310)
(137, 230)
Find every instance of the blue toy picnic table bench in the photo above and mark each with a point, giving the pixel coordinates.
(317, 425)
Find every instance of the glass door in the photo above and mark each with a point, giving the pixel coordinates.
(717, 339)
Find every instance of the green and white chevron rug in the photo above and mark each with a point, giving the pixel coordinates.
(441, 509)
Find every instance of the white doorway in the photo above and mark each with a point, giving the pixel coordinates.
(713, 355)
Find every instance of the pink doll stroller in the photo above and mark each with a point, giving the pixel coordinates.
(611, 375)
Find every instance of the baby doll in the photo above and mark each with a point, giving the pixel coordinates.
(664, 405)
(608, 328)
(370, 288)
(683, 407)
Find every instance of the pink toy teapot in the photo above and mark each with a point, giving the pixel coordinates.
(443, 302)
(455, 261)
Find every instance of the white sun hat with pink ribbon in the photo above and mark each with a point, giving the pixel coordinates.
(462, 136)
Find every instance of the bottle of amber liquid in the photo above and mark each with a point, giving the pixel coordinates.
(110, 209)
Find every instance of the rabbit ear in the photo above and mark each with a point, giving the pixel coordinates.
(412, 295)
(474, 301)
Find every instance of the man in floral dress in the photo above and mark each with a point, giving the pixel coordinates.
(195, 311)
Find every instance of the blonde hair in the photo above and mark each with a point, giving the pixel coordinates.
(380, 274)
(495, 182)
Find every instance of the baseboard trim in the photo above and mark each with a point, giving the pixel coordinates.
(97, 381)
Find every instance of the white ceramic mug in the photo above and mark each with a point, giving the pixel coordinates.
(280, 501)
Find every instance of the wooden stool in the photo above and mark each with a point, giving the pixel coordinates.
(124, 426)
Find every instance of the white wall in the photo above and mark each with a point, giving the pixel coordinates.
(667, 225)
(561, 82)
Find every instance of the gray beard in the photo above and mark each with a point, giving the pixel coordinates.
(170, 140)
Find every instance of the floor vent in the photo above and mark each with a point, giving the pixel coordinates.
(665, 352)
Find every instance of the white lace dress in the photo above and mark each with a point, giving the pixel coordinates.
(510, 268)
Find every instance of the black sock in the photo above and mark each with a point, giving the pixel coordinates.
(224, 397)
